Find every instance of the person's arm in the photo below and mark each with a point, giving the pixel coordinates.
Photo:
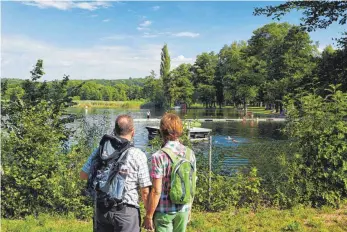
(86, 167)
(153, 201)
(83, 175)
(143, 177)
(144, 196)
(157, 174)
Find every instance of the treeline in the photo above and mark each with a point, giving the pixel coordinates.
(107, 90)
(278, 60)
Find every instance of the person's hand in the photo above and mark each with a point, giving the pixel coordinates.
(148, 223)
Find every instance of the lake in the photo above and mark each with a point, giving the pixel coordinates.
(243, 132)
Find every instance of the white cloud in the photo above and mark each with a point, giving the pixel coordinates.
(19, 54)
(67, 4)
(182, 58)
(106, 20)
(170, 34)
(155, 8)
(142, 28)
(149, 35)
(145, 23)
(186, 34)
(94, 15)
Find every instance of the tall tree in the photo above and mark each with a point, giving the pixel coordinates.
(182, 88)
(204, 70)
(154, 89)
(164, 73)
(317, 14)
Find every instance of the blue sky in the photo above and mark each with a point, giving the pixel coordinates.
(115, 40)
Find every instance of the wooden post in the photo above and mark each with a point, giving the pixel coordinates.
(210, 173)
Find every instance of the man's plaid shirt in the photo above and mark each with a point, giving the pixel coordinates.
(138, 174)
(161, 168)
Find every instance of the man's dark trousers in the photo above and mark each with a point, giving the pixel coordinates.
(118, 219)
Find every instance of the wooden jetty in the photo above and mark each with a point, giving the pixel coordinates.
(195, 133)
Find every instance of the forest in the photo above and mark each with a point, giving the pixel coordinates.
(279, 60)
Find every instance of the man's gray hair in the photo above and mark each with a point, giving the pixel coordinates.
(124, 125)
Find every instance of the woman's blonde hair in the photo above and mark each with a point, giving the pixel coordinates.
(171, 127)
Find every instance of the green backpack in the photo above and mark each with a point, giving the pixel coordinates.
(183, 178)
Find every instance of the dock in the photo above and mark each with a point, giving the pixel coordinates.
(195, 133)
(217, 120)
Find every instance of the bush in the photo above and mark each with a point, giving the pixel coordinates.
(319, 127)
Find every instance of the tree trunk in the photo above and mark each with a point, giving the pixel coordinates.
(245, 106)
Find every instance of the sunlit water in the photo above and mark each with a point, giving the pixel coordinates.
(225, 135)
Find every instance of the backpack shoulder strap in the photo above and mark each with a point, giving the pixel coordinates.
(170, 153)
(123, 154)
(188, 153)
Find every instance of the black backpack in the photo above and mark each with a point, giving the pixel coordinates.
(105, 181)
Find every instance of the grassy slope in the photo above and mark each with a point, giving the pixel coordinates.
(297, 219)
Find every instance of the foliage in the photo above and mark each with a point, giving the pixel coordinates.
(320, 128)
(33, 149)
(181, 88)
(154, 89)
(317, 14)
(165, 75)
(203, 77)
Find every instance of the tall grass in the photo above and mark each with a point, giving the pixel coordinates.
(135, 104)
(269, 219)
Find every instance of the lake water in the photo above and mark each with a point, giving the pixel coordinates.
(241, 132)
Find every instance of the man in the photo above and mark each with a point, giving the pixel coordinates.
(124, 216)
(162, 214)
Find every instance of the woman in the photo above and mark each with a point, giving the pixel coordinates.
(162, 214)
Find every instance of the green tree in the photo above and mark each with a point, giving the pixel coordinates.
(319, 127)
(34, 136)
(154, 89)
(164, 74)
(121, 92)
(317, 14)
(204, 70)
(181, 89)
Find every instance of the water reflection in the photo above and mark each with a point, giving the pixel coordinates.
(227, 136)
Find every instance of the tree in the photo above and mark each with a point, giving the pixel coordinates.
(120, 91)
(181, 89)
(154, 89)
(204, 70)
(164, 73)
(317, 14)
(319, 127)
(34, 136)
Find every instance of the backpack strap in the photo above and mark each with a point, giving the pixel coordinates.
(170, 153)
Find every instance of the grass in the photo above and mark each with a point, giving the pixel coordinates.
(268, 219)
(109, 104)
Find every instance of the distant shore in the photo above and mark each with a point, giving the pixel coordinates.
(136, 104)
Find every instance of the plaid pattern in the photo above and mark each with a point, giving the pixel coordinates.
(161, 168)
(138, 174)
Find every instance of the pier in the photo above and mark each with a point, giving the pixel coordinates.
(195, 133)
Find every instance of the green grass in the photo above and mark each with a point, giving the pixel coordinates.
(109, 104)
(258, 110)
(296, 219)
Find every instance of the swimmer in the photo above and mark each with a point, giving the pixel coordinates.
(232, 139)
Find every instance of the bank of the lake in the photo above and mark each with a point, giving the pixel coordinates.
(138, 104)
(135, 104)
(268, 219)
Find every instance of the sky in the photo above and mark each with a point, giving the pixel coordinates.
(118, 40)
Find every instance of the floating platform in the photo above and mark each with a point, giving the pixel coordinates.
(217, 120)
(195, 133)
